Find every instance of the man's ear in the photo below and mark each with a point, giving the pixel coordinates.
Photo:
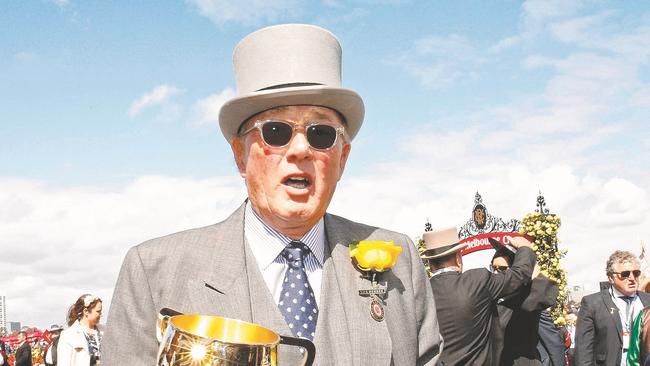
(344, 158)
(238, 151)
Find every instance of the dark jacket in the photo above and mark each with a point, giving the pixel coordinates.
(466, 308)
(24, 355)
(52, 347)
(519, 316)
(598, 330)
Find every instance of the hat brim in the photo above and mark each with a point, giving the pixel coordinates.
(237, 110)
(441, 252)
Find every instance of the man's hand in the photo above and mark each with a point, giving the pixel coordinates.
(520, 241)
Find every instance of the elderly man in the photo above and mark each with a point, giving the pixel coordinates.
(466, 301)
(605, 318)
(290, 130)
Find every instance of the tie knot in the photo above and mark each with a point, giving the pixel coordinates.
(294, 253)
(628, 299)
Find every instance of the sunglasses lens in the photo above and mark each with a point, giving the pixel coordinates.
(276, 133)
(626, 274)
(321, 136)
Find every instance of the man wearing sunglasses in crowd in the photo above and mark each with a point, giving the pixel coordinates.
(280, 260)
(605, 318)
(526, 334)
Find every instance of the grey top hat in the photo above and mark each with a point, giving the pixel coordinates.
(289, 64)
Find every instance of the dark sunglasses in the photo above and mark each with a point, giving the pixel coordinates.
(498, 268)
(626, 274)
(278, 133)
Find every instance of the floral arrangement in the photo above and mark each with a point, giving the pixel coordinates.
(421, 248)
(543, 228)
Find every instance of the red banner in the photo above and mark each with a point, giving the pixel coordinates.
(35, 335)
(480, 242)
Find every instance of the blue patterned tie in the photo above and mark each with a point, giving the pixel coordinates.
(297, 302)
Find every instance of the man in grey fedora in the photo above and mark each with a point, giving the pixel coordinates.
(466, 301)
(280, 260)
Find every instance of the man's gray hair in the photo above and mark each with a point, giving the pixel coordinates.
(620, 257)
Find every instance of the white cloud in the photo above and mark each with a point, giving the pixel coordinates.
(60, 3)
(247, 12)
(24, 56)
(578, 29)
(537, 14)
(436, 61)
(157, 96)
(507, 42)
(67, 242)
(535, 18)
(206, 111)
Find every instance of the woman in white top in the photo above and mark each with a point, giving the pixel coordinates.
(79, 345)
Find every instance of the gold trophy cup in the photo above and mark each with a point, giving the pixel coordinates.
(204, 340)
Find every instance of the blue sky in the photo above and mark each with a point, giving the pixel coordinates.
(108, 131)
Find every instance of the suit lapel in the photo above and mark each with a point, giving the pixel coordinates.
(645, 298)
(613, 311)
(220, 286)
(346, 334)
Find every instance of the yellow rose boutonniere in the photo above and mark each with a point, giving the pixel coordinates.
(377, 256)
(373, 258)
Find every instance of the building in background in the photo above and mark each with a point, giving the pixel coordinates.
(3, 312)
(13, 326)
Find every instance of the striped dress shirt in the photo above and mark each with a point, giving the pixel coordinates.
(266, 243)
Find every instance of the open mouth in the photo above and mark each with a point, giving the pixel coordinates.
(297, 182)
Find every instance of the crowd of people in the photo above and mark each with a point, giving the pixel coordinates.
(77, 345)
(498, 317)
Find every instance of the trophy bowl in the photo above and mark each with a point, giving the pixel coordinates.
(206, 340)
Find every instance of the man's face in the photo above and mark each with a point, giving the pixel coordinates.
(290, 187)
(21, 337)
(500, 264)
(627, 286)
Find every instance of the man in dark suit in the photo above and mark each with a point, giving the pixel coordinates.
(524, 335)
(466, 301)
(605, 318)
(24, 351)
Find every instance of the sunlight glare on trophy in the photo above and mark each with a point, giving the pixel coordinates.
(193, 352)
(198, 352)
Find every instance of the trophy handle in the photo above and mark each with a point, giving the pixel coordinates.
(310, 349)
(163, 318)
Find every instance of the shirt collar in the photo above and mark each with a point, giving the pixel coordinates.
(618, 295)
(267, 243)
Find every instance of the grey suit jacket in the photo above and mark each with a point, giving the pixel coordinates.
(598, 330)
(211, 270)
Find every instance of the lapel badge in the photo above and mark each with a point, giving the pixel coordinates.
(376, 309)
